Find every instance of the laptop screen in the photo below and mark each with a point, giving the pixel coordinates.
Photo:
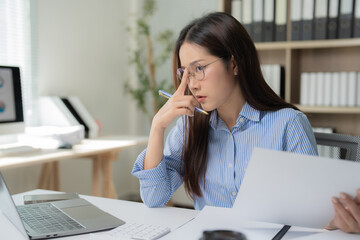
(7, 207)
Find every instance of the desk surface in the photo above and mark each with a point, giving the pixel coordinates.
(87, 147)
(180, 221)
(125, 210)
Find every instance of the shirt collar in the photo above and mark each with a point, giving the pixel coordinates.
(247, 112)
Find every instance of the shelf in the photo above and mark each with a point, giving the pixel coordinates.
(329, 110)
(313, 44)
(329, 55)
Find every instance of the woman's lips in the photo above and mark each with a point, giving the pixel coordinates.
(200, 98)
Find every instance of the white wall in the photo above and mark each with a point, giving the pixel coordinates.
(174, 15)
(81, 49)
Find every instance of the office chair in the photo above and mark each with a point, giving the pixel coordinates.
(338, 146)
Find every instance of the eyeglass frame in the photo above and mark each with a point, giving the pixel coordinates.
(181, 70)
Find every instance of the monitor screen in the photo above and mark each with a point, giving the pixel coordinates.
(11, 106)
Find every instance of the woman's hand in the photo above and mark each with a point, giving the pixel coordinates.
(347, 213)
(179, 104)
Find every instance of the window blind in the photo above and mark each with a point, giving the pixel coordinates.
(15, 48)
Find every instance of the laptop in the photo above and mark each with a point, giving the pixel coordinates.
(55, 219)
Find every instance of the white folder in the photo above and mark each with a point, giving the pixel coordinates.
(320, 89)
(236, 9)
(327, 89)
(335, 100)
(344, 83)
(304, 88)
(351, 101)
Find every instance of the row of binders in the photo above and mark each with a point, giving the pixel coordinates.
(274, 76)
(266, 20)
(336, 89)
(325, 19)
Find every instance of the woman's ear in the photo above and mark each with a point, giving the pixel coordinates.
(234, 66)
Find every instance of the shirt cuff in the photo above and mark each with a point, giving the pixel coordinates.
(149, 177)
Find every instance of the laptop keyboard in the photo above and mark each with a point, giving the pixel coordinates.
(46, 218)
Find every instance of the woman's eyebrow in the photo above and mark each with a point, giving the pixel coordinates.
(198, 60)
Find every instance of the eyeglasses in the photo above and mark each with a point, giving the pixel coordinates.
(196, 71)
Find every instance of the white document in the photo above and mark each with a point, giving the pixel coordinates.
(53, 112)
(216, 218)
(331, 235)
(294, 189)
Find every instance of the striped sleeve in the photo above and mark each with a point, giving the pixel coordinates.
(299, 136)
(157, 185)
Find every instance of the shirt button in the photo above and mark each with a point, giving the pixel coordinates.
(241, 120)
(234, 193)
(230, 165)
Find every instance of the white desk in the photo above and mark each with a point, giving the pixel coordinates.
(102, 151)
(181, 223)
(125, 210)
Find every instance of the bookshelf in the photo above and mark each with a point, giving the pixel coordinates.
(314, 56)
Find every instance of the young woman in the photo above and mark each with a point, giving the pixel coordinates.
(216, 67)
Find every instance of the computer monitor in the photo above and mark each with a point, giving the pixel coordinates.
(11, 106)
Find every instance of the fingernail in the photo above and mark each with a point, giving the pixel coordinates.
(334, 200)
(343, 196)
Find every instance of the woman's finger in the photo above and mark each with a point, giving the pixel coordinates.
(183, 84)
(339, 220)
(346, 221)
(357, 198)
(351, 207)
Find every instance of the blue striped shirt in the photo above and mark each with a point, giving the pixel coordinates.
(229, 153)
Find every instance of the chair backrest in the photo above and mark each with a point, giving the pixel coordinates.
(338, 146)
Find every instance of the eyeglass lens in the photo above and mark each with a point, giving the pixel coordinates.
(195, 70)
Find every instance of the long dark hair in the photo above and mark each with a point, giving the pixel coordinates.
(223, 36)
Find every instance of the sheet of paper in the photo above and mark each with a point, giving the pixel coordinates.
(331, 235)
(294, 189)
(214, 218)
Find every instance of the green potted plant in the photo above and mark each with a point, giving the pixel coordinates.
(146, 60)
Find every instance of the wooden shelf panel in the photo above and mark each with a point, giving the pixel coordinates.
(330, 55)
(329, 110)
(313, 44)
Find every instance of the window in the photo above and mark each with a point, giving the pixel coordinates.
(15, 48)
